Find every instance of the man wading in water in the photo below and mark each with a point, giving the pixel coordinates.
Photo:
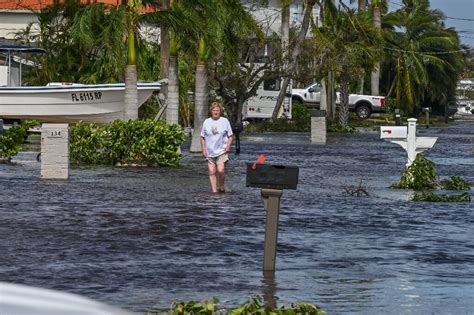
(216, 139)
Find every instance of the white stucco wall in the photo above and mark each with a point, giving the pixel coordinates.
(13, 21)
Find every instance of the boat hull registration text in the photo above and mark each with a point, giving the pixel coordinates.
(86, 96)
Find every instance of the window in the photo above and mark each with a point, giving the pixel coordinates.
(271, 85)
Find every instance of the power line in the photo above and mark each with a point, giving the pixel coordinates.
(461, 19)
(429, 52)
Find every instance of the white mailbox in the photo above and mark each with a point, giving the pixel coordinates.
(395, 132)
(406, 138)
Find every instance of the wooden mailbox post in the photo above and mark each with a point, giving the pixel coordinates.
(272, 179)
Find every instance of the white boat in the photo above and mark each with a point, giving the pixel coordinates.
(70, 102)
(61, 102)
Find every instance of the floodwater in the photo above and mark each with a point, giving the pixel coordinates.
(141, 238)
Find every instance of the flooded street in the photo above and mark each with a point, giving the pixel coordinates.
(144, 237)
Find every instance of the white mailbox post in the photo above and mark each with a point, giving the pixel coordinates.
(407, 139)
(55, 151)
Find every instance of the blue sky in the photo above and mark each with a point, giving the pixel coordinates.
(460, 15)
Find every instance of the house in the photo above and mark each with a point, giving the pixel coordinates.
(15, 15)
(270, 16)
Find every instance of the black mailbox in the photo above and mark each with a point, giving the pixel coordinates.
(272, 176)
(426, 109)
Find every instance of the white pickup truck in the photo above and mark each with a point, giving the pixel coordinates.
(363, 105)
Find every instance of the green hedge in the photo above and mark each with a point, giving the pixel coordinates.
(253, 306)
(133, 142)
(13, 138)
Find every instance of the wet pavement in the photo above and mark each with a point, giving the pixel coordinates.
(143, 237)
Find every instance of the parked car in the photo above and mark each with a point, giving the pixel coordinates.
(363, 105)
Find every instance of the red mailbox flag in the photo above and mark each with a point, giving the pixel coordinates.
(259, 160)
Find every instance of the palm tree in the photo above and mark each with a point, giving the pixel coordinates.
(130, 110)
(201, 94)
(172, 100)
(418, 43)
(165, 43)
(378, 7)
(349, 42)
(221, 21)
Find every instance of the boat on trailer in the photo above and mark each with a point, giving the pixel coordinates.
(63, 102)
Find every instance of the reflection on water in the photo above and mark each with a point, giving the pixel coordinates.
(269, 289)
(142, 238)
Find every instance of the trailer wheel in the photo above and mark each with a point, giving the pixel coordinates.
(363, 111)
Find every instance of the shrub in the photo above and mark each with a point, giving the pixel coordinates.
(465, 197)
(301, 116)
(420, 175)
(11, 141)
(456, 183)
(193, 307)
(253, 306)
(142, 142)
(280, 125)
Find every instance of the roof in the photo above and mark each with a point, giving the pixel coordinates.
(22, 48)
(43, 4)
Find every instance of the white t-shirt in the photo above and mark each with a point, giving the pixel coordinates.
(216, 134)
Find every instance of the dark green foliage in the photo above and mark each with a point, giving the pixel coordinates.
(464, 197)
(142, 142)
(280, 125)
(301, 116)
(193, 307)
(419, 176)
(253, 306)
(333, 127)
(11, 141)
(417, 71)
(456, 183)
(84, 43)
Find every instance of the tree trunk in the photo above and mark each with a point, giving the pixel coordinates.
(130, 110)
(344, 105)
(362, 5)
(285, 29)
(323, 105)
(375, 80)
(164, 45)
(330, 97)
(294, 56)
(172, 110)
(375, 75)
(201, 106)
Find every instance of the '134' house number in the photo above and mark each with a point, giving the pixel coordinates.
(55, 134)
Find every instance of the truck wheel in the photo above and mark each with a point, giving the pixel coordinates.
(297, 100)
(363, 111)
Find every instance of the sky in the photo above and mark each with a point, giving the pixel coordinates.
(460, 15)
